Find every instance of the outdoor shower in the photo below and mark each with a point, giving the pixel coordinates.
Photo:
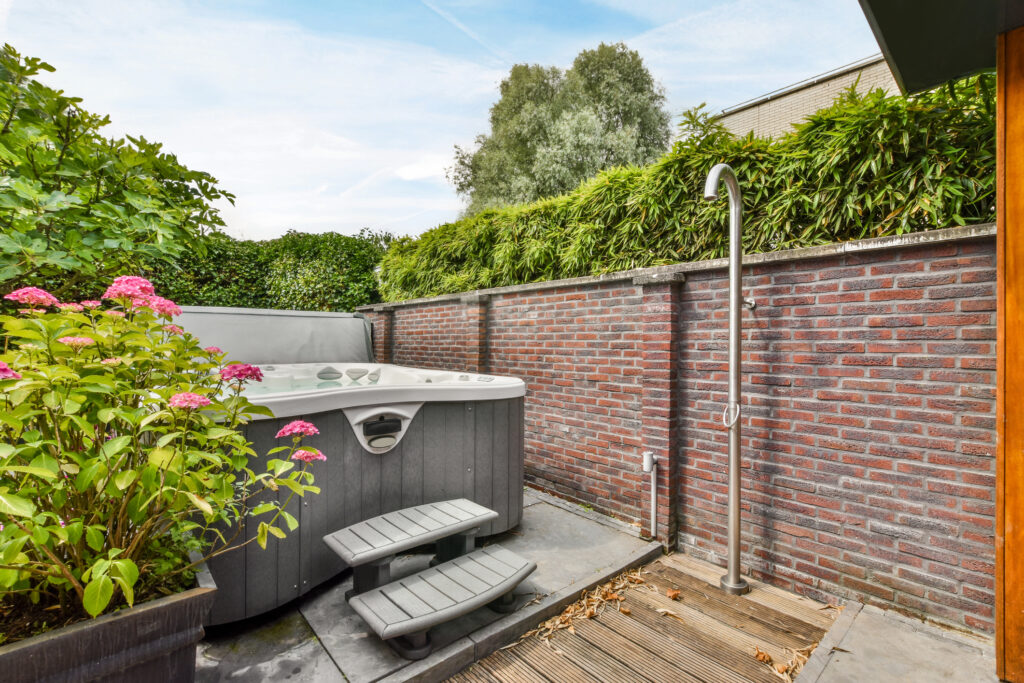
(732, 582)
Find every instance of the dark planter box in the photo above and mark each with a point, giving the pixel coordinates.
(152, 642)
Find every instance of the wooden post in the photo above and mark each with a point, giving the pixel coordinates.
(1010, 350)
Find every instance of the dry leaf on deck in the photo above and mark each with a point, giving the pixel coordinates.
(668, 613)
(762, 656)
(625, 610)
(673, 593)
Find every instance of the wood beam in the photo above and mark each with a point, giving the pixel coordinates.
(1010, 351)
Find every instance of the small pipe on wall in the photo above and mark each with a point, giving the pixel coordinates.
(651, 465)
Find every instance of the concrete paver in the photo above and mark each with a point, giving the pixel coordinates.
(882, 646)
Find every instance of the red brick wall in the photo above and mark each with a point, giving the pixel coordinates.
(868, 410)
(868, 447)
(576, 349)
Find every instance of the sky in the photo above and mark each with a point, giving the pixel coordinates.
(342, 114)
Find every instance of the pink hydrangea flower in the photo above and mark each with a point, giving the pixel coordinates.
(7, 373)
(308, 455)
(157, 304)
(71, 307)
(187, 399)
(114, 314)
(213, 350)
(112, 361)
(31, 311)
(173, 329)
(32, 296)
(77, 343)
(241, 372)
(298, 427)
(91, 303)
(128, 287)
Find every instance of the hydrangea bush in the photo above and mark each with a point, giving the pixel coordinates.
(121, 453)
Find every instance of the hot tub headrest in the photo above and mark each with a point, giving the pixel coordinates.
(262, 336)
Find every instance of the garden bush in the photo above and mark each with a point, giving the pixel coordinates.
(77, 208)
(321, 272)
(122, 455)
(870, 165)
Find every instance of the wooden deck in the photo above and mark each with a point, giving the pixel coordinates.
(704, 634)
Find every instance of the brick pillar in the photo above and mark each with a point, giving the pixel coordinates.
(660, 412)
(475, 350)
(383, 319)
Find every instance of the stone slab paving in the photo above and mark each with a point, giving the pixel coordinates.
(320, 638)
(869, 644)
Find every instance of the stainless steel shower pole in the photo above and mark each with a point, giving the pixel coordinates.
(732, 582)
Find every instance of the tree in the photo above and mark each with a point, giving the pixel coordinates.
(550, 130)
(76, 207)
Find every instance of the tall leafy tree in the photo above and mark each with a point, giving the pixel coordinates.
(550, 129)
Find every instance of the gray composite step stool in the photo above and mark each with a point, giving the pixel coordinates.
(369, 546)
(402, 611)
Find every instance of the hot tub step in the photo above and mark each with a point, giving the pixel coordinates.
(402, 611)
(369, 546)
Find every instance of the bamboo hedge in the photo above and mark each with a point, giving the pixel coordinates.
(870, 165)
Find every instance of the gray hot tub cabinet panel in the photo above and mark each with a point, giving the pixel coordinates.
(451, 450)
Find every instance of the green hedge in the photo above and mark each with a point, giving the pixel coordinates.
(323, 272)
(868, 166)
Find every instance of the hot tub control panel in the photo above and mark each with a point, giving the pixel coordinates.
(379, 428)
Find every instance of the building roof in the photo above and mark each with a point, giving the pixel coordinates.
(929, 42)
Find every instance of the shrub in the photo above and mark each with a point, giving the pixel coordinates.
(77, 207)
(322, 272)
(868, 166)
(121, 455)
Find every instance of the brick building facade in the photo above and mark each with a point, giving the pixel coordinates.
(869, 391)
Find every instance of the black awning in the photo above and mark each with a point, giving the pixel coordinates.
(929, 42)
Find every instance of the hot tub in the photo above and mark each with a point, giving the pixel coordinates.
(393, 436)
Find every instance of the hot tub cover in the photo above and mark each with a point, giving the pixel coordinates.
(262, 336)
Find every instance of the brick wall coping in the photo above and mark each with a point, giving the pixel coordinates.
(677, 272)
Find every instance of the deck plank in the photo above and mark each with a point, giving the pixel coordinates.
(544, 657)
(707, 636)
(723, 633)
(509, 669)
(601, 664)
(702, 602)
(799, 606)
(676, 641)
(636, 656)
(770, 617)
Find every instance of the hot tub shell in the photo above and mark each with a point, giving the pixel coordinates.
(463, 438)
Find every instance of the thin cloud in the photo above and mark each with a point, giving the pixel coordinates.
(472, 35)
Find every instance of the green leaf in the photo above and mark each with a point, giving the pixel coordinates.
(199, 502)
(167, 438)
(34, 471)
(275, 531)
(97, 595)
(124, 479)
(115, 446)
(94, 537)
(263, 508)
(261, 535)
(292, 523)
(13, 549)
(14, 505)
(105, 415)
